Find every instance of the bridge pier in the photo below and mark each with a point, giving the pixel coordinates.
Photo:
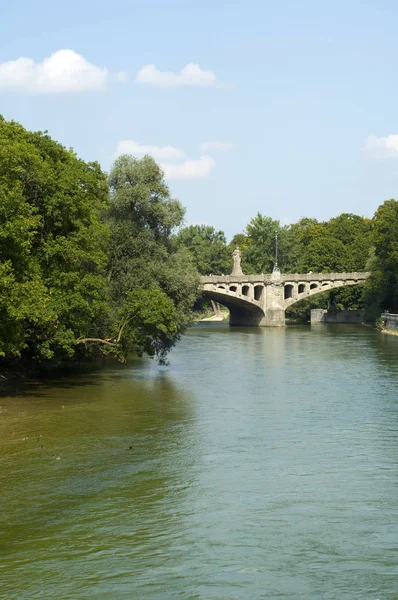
(274, 317)
(242, 317)
(246, 318)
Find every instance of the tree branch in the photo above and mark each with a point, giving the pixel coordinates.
(127, 320)
(97, 340)
(113, 343)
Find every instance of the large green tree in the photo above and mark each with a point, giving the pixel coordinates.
(153, 281)
(53, 246)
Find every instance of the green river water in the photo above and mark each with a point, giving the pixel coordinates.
(261, 464)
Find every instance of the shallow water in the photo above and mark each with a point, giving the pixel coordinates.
(263, 464)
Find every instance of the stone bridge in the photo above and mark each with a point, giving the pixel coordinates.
(261, 300)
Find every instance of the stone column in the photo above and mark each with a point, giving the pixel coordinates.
(274, 305)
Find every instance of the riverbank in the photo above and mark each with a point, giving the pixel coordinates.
(20, 370)
(210, 317)
(389, 323)
(389, 331)
(217, 318)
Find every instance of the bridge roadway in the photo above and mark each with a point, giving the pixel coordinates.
(261, 300)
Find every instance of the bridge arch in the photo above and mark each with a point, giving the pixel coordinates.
(319, 287)
(243, 310)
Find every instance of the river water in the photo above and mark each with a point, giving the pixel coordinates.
(261, 464)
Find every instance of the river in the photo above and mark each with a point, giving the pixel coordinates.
(262, 463)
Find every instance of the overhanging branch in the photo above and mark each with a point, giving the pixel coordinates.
(96, 340)
(108, 342)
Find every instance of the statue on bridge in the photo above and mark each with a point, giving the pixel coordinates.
(237, 269)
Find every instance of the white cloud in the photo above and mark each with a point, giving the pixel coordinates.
(189, 169)
(216, 146)
(383, 147)
(63, 71)
(158, 152)
(121, 76)
(190, 75)
(173, 161)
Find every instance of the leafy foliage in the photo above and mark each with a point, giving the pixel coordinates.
(208, 248)
(382, 287)
(259, 254)
(144, 257)
(80, 275)
(53, 245)
(341, 244)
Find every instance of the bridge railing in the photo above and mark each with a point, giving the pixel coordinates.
(234, 278)
(357, 276)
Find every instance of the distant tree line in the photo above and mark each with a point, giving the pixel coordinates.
(94, 265)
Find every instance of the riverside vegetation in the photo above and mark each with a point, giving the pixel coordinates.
(89, 266)
(94, 265)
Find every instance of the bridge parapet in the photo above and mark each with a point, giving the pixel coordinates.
(285, 277)
(357, 276)
(235, 278)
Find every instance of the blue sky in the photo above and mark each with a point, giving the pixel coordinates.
(301, 97)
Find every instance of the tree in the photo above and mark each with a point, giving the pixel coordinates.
(259, 255)
(208, 248)
(153, 282)
(354, 232)
(382, 286)
(80, 277)
(324, 254)
(259, 244)
(293, 240)
(339, 245)
(53, 246)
